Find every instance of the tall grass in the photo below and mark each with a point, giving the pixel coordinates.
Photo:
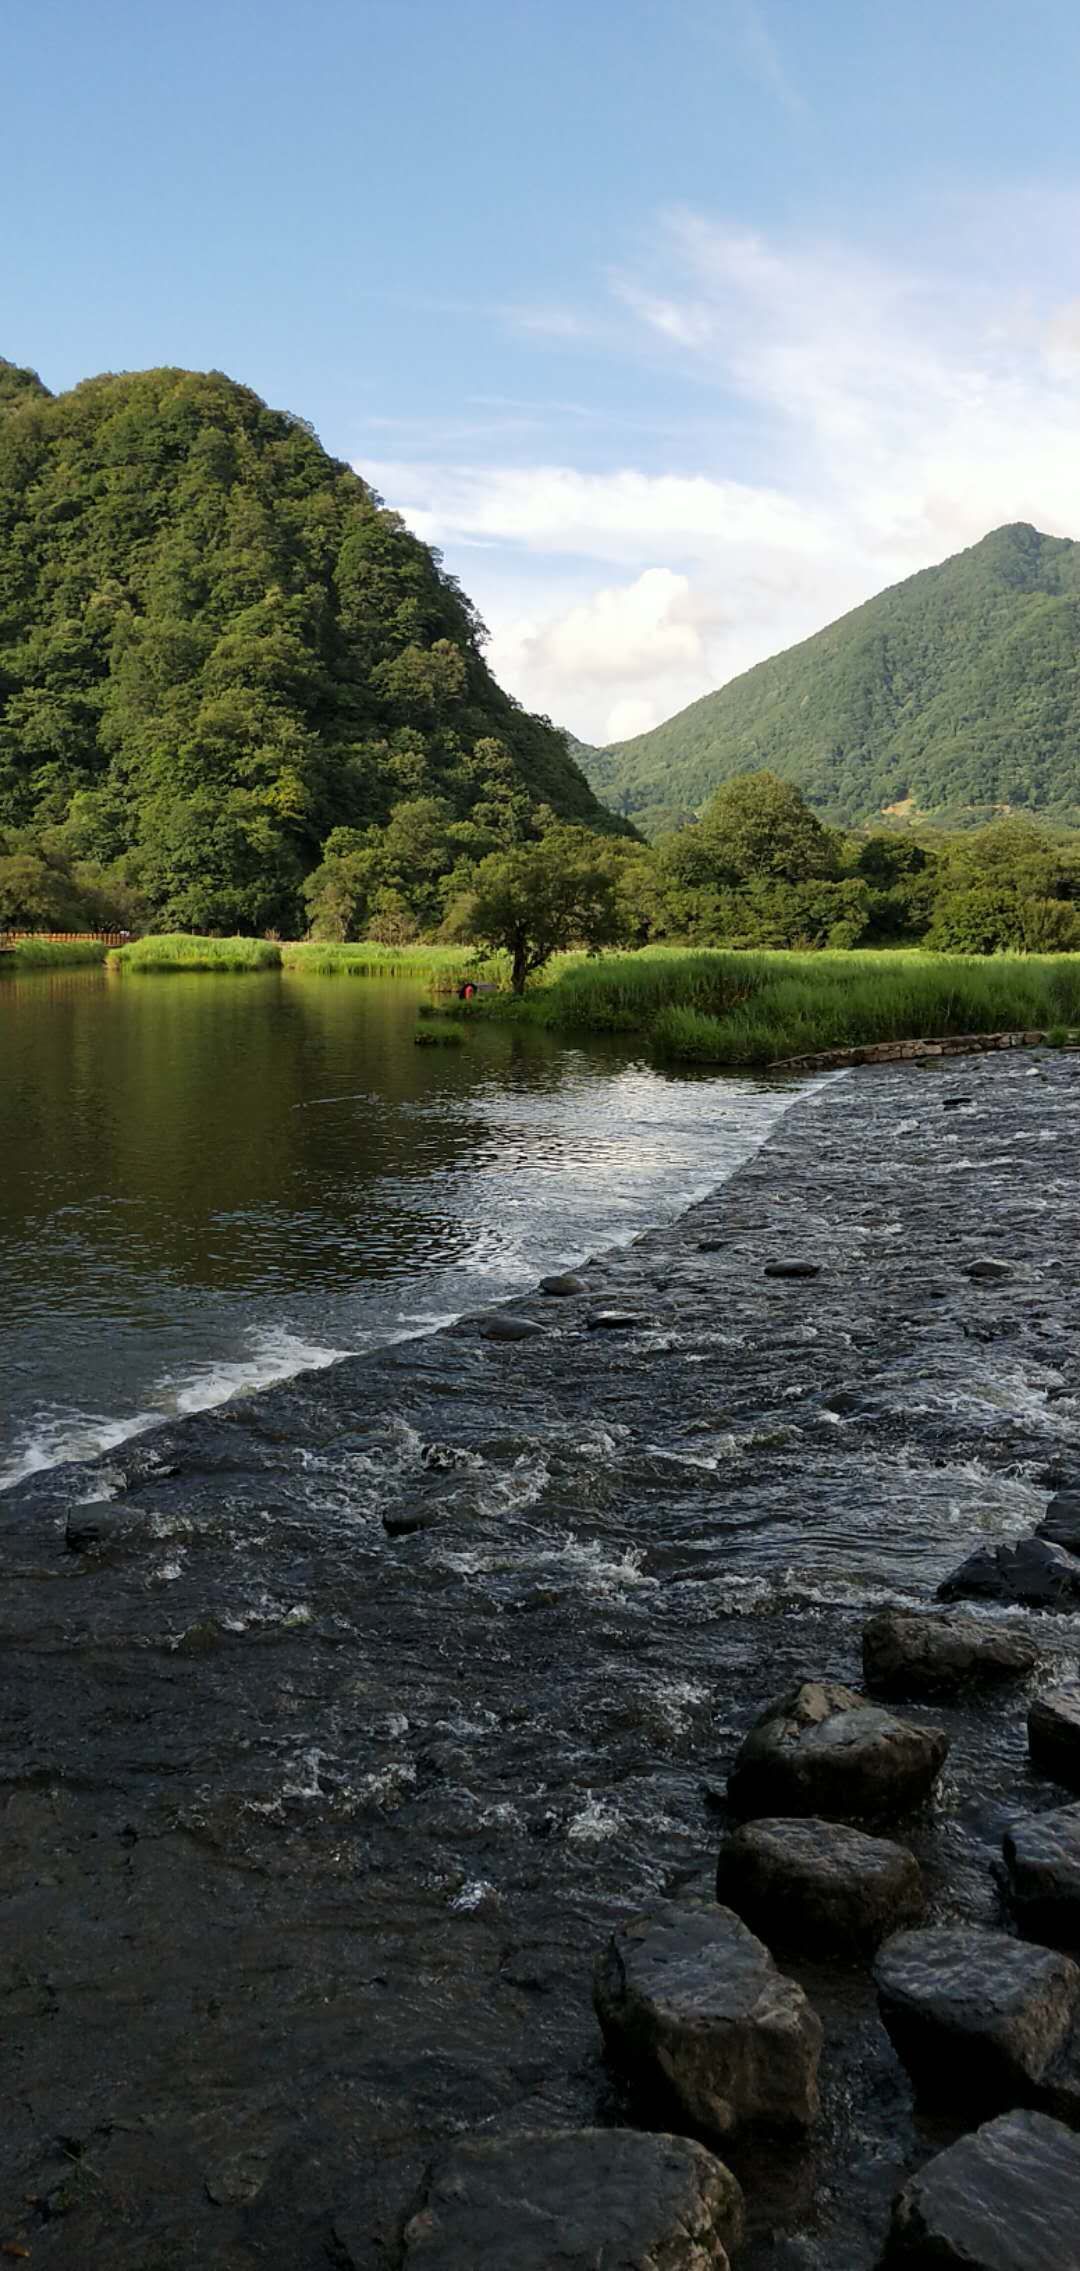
(760, 1008)
(452, 964)
(174, 950)
(51, 953)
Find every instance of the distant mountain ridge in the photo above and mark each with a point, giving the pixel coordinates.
(950, 695)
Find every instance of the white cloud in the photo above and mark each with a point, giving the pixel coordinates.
(897, 413)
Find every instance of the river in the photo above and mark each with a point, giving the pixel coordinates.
(211, 1183)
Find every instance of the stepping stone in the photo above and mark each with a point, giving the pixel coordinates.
(1054, 1735)
(405, 1520)
(818, 1884)
(825, 1750)
(562, 1287)
(979, 2019)
(989, 1271)
(793, 1269)
(508, 1329)
(1006, 2198)
(615, 1320)
(576, 2198)
(927, 1655)
(693, 2007)
(1034, 1572)
(1061, 1521)
(1042, 1871)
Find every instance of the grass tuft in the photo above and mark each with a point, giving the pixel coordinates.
(438, 1037)
(175, 950)
(51, 953)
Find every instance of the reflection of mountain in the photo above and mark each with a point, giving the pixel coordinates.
(952, 694)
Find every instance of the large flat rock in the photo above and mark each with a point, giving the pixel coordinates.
(906, 1655)
(576, 2199)
(818, 1885)
(979, 2019)
(1042, 1867)
(693, 2007)
(824, 1750)
(1006, 2198)
(1054, 1735)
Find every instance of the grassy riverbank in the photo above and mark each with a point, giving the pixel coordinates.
(51, 953)
(176, 950)
(716, 1008)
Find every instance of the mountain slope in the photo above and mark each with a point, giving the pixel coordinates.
(216, 645)
(958, 689)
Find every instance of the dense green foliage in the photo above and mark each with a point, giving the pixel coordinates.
(217, 649)
(760, 1009)
(536, 900)
(959, 689)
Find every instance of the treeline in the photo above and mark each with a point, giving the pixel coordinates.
(758, 870)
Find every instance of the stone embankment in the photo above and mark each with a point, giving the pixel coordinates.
(902, 1052)
(512, 1799)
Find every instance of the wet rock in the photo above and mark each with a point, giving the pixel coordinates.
(402, 1521)
(561, 1287)
(1042, 1871)
(818, 1884)
(1006, 2198)
(989, 1272)
(92, 1529)
(694, 2008)
(953, 1103)
(793, 1269)
(927, 1655)
(505, 1328)
(978, 2018)
(1061, 1521)
(824, 1750)
(576, 2198)
(1034, 1573)
(1054, 1735)
(615, 1320)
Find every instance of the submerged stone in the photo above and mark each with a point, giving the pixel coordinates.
(989, 1271)
(576, 2198)
(1042, 1870)
(822, 1749)
(818, 1884)
(1034, 1573)
(979, 2019)
(615, 1320)
(1061, 1521)
(504, 1328)
(793, 1269)
(562, 1287)
(928, 1655)
(1054, 1734)
(694, 2008)
(1006, 2198)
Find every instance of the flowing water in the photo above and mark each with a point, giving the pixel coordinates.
(342, 1719)
(212, 1182)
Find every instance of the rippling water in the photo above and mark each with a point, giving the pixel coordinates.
(211, 1183)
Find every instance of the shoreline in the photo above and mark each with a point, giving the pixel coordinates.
(314, 1831)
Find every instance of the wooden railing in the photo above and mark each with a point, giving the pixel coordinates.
(68, 937)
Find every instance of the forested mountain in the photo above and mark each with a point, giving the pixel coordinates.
(958, 689)
(217, 647)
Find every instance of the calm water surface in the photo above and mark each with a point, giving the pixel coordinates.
(215, 1181)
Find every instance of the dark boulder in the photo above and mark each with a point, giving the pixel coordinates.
(562, 1287)
(793, 1269)
(817, 1884)
(931, 1656)
(615, 1321)
(693, 2007)
(93, 1529)
(825, 1750)
(1061, 1521)
(1042, 1873)
(1034, 1573)
(990, 1272)
(1054, 1735)
(577, 2198)
(505, 1328)
(1006, 2198)
(979, 2019)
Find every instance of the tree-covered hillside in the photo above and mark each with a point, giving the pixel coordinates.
(958, 689)
(217, 647)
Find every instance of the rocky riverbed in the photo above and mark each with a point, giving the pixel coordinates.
(343, 1725)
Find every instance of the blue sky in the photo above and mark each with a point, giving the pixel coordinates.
(680, 327)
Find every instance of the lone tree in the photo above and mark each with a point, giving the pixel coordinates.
(538, 899)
